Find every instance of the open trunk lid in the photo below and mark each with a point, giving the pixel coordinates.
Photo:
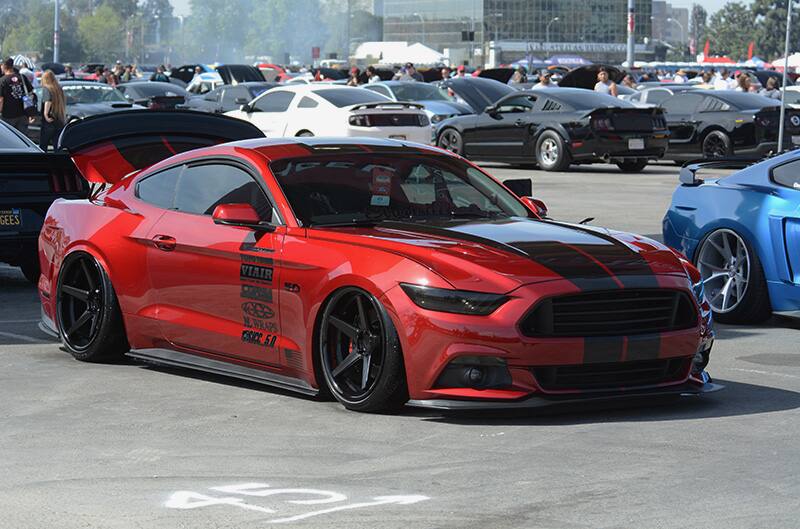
(107, 147)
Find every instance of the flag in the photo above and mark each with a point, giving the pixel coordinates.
(750, 50)
(707, 48)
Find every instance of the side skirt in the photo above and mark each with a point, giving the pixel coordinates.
(177, 359)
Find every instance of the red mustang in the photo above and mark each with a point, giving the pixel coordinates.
(380, 272)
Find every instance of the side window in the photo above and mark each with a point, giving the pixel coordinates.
(656, 97)
(202, 188)
(712, 104)
(787, 175)
(307, 102)
(159, 189)
(213, 95)
(274, 101)
(233, 93)
(681, 103)
(517, 104)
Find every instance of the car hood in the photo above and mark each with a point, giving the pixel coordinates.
(446, 108)
(501, 255)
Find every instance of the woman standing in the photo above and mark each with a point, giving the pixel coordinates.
(54, 110)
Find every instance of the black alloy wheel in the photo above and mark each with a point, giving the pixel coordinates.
(450, 140)
(88, 315)
(716, 144)
(360, 355)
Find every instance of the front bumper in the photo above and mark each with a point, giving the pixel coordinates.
(434, 342)
(687, 389)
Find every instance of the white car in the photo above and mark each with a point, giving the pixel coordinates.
(333, 110)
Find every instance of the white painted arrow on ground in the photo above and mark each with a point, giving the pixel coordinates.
(378, 500)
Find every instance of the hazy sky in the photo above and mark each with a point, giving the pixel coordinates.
(182, 6)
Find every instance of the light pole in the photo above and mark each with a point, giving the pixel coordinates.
(683, 34)
(631, 28)
(547, 30)
(56, 43)
(423, 25)
(782, 124)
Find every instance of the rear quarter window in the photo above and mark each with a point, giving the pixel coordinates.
(787, 175)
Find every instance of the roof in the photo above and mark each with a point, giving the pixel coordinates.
(277, 148)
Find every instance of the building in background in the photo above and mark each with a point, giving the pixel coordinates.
(502, 31)
(670, 24)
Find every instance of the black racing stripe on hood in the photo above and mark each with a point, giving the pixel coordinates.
(629, 267)
(577, 267)
(588, 259)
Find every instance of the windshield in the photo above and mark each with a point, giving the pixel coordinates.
(345, 97)
(792, 97)
(352, 189)
(10, 141)
(418, 92)
(92, 94)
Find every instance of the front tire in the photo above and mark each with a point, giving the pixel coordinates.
(88, 316)
(451, 140)
(733, 278)
(551, 152)
(359, 353)
(635, 165)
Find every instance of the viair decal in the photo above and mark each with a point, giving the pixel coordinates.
(251, 272)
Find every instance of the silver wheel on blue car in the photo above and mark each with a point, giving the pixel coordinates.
(733, 279)
(360, 353)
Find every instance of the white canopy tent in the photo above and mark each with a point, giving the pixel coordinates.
(398, 53)
(794, 61)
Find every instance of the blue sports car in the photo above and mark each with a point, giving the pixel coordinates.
(742, 231)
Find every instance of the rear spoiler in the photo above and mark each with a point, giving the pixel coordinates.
(107, 147)
(388, 104)
(688, 173)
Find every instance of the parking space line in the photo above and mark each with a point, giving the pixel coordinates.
(760, 372)
(22, 337)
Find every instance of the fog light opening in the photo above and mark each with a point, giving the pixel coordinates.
(475, 372)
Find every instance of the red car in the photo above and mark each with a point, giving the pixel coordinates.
(378, 271)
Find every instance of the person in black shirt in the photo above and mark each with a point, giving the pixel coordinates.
(13, 87)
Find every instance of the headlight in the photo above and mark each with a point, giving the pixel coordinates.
(455, 301)
(423, 120)
(438, 117)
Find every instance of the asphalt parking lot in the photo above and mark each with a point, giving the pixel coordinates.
(127, 446)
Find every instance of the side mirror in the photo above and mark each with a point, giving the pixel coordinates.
(522, 187)
(241, 101)
(536, 206)
(246, 108)
(491, 110)
(240, 215)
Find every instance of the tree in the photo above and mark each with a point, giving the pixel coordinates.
(698, 23)
(730, 30)
(771, 27)
(33, 33)
(100, 34)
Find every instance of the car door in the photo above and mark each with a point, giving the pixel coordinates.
(502, 133)
(268, 112)
(680, 111)
(213, 284)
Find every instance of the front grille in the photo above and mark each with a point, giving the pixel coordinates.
(629, 122)
(394, 120)
(611, 313)
(619, 375)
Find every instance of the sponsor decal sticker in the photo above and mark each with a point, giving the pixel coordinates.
(258, 310)
(255, 273)
(291, 287)
(257, 293)
(259, 338)
(261, 325)
(257, 259)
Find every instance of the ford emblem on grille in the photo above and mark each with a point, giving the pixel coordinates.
(396, 119)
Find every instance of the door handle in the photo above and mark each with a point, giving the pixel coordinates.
(164, 242)
(519, 123)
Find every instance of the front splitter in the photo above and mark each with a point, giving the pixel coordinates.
(542, 401)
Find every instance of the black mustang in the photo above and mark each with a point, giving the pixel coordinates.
(551, 128)
(720, 123)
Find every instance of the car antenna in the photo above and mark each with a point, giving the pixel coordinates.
(587, 220)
